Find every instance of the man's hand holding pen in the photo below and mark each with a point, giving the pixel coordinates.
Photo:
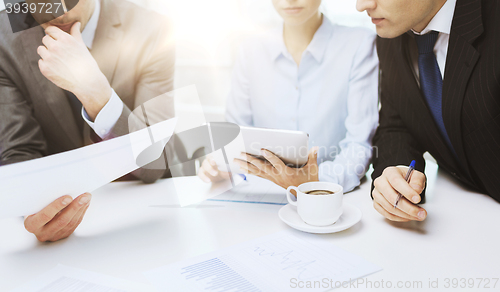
(389, 185)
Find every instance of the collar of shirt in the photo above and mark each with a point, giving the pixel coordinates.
(88, 33)
(442, 20)
(316, 48)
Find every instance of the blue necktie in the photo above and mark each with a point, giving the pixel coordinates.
(431, 81)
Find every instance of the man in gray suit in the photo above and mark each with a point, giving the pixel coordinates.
(73, 81)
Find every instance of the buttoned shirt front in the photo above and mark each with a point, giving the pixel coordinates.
(332, 95)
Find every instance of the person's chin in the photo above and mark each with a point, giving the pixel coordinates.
(295, 20)
(65, 27)
(388, 32)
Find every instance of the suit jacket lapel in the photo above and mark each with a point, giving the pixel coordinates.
(466, 27)
(108, 39)
(51, 96)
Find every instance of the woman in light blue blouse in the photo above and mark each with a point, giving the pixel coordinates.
(314, 76)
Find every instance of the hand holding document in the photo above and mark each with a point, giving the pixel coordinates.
(28, 187)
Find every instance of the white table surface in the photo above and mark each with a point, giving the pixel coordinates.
(131, 228)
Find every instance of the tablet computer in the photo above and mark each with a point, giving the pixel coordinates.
(290, 146)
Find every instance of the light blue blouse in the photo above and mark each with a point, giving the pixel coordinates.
(332, 95)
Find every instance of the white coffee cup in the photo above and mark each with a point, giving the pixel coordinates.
(318, 210)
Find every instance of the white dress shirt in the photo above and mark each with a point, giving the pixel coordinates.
(332, 95)
(442, 24)
(110, 113)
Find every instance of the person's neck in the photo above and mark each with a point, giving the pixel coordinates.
(424, 23)
(298, 37)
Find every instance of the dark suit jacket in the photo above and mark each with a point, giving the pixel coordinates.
(133, 48)
(471, 102)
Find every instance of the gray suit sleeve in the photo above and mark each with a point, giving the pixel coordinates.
(21, 137)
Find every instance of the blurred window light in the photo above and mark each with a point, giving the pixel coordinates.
(208, 34)
(210, 30)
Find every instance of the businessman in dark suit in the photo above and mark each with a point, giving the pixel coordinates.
(75, 80)
(440, 92)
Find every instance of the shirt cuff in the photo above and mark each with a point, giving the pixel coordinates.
(106, 119)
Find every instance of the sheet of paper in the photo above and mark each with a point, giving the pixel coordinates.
(254, 190)
(28, 187)
(276, 262)
(191, 192)
(67, 279)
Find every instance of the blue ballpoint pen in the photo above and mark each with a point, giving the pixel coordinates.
(407, 178)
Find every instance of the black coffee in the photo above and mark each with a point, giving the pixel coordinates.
(319, 192)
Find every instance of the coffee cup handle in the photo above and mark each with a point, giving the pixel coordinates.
(288, 194)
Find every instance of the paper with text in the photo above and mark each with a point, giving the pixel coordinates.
(272, 263)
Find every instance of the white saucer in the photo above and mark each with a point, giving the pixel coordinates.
(349, 217)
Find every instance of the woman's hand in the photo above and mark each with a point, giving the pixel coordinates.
(273, 169)
(209, 172)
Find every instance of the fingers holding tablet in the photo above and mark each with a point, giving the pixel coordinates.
(272, 168)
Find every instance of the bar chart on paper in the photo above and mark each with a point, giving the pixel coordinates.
(271, 263)
(214, 275)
